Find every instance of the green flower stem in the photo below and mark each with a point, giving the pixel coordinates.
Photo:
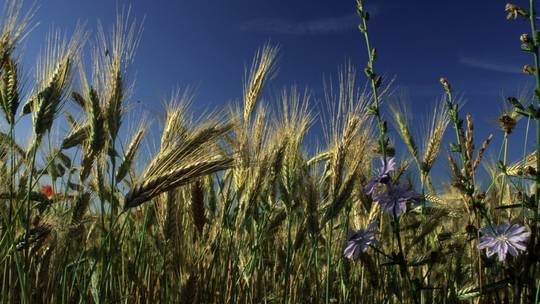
(375, 83)
(374, 79)
(328, 260)
(403, 261)
(534, 34)
(453, 110)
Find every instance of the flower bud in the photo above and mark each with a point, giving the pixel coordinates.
(510, 7)
(445, 84)
(525, 38)
(514, 11)
(507, 123)
(528, 69)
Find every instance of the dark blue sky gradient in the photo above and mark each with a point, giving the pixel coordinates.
(207, 45)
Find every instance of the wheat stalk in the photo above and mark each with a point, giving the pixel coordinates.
(399, 113)
(481, 151)
(112, 58)
(518, 167)
(131, 151)
(469, 147)
(156, 184)
(432, 145)
(13, 28)
(176, 121)
(197, 206)
(9, 90)
(261, 70)
(53, 80)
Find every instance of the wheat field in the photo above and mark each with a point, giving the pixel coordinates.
(235, 206)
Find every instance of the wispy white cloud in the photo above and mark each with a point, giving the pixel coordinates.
(316, 26)
(488, 65)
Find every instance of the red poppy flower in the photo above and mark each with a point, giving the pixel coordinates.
(47, 190)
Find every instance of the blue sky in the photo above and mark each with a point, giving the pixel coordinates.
(206, 44)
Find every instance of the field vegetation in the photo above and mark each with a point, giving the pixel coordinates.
(235, 207)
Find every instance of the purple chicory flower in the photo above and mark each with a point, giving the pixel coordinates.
(382, 175)
(359, 241)
(503, 239)
(394, 197)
